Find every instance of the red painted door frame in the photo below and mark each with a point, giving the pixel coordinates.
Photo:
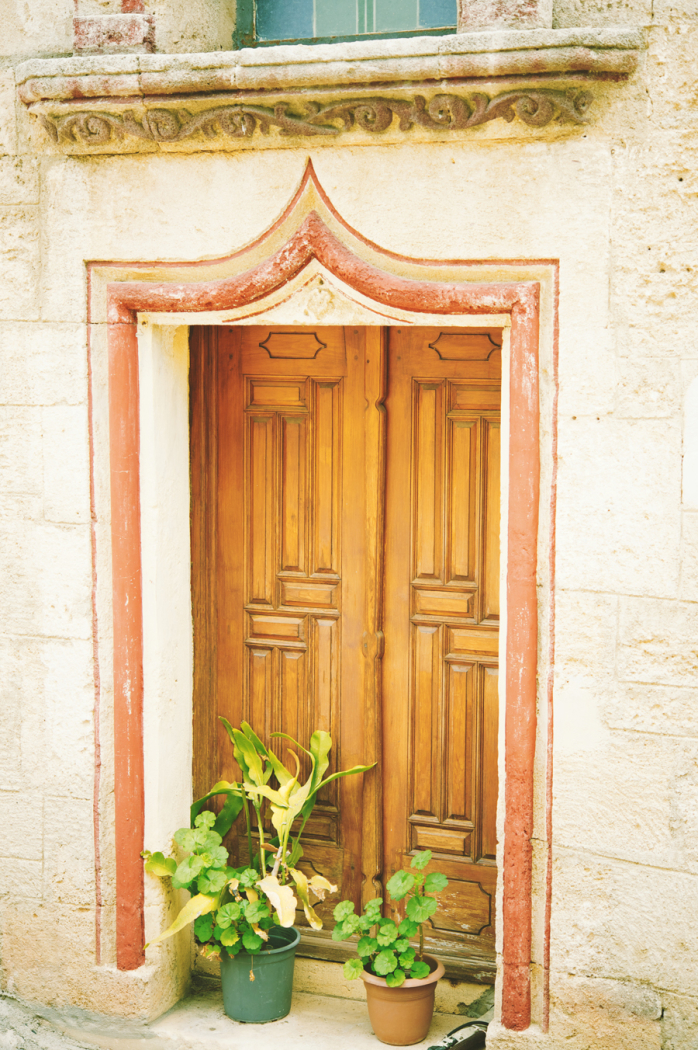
(314, 240)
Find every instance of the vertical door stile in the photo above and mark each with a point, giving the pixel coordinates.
(375, 349)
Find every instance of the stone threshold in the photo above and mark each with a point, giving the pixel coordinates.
(317, 1021)
(585, 52)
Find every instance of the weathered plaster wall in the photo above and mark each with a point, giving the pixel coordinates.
(616, 203)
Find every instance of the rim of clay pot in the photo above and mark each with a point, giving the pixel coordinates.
(412, 982)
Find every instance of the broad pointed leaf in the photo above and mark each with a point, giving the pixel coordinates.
(201, 904)
(281, 898)
(301, 882)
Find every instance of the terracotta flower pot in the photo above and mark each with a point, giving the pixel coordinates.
(401, 1016)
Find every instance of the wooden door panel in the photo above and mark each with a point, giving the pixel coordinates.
(354, 583)
(441, 592)
(287, 505)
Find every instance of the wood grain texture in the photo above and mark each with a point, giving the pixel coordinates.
(441, 640)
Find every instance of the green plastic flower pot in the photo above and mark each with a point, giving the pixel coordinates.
(268, 996)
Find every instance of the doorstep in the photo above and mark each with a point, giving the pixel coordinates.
(327, 1012)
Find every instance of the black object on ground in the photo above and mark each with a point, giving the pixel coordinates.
(470, 1036)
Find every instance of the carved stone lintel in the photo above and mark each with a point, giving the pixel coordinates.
(535, 107)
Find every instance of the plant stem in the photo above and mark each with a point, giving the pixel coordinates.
(262, 862)
(249, 825)
(421, 934)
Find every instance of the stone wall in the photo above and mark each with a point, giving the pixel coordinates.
(616, 202)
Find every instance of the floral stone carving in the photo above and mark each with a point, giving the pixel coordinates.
(535, 107)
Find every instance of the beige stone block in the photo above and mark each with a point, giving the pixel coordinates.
(69, 867)
(587, 371)
(689, 556)
(19, 262)
(618, 525)
(585, 633)
(648, 389)
(46, 572)
(670, 70)
(54, 689)
(609, 1015)
(66, 463)
(8, 119)
(679, 1022)
(658, 641)
(657, 709)
(19, 180)
(43, 27)
(630, 799)
(192, 25)
(22, 822)
(625, 921)
(42, 363)
(20, 450)
(598, 13)
(21, 878)
(676, 338)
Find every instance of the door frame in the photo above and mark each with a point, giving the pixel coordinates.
(310, 233)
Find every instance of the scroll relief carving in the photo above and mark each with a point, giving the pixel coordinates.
(240, 120)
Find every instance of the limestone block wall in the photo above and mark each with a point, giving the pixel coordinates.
(616, 203)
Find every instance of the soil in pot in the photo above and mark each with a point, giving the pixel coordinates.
(402, 1016)
(268, 996)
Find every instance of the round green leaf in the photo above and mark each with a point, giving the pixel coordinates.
(228, 914)
(252, 942)
(435, 882)
(421, 908)
(206, 819)
(420, 860)
(400, 884)
(248, 877)
(233, 949)
(401, 944)
(229, 937)
(203, 928)
(187, 871)
(353, 968)
(395, 979)
(385, 962)
(387, 934)
(366, 946)
(407, 928)
(420, 970)
(256, 910)
(343, 910)
(212, 881)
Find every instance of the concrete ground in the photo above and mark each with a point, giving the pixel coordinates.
(316, 1022)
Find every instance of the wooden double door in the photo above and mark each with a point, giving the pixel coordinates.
(345, 552)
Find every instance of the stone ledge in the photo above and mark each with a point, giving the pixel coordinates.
(584, 52)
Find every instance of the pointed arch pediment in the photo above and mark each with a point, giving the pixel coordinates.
(310, 238)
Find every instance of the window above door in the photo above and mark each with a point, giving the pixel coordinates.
(264, 22)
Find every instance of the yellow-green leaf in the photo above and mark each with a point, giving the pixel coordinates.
(159, 865)
(281, 898)
(302, 886)
(201, 904)
(320, 886)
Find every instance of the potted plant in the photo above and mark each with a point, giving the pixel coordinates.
(400, 979)
(244, 916)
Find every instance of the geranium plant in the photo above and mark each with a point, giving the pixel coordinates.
(384, 947)
(234, 908)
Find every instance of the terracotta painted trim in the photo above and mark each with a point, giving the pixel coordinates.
(124, 447)
(545, 1020)
(96, 674)
(312, 240)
